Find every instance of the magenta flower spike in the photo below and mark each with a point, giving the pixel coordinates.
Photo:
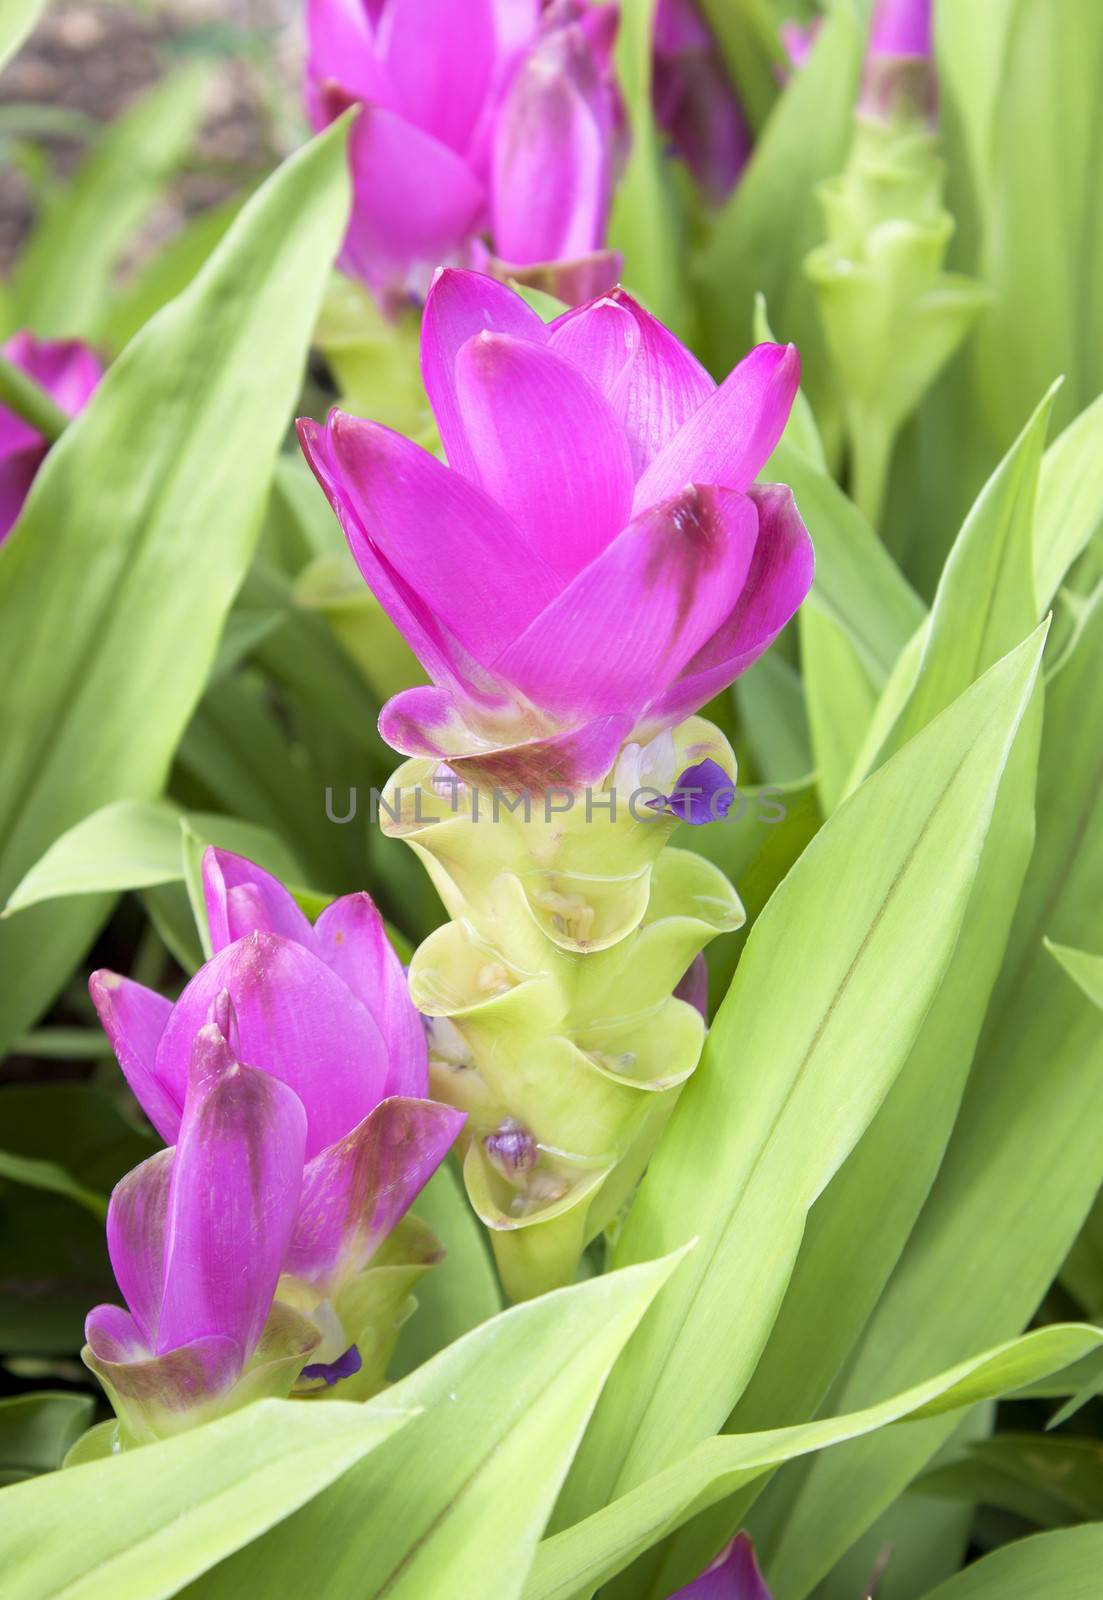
(197, 1237)
(695, 101)
(68, 371)
(734, 1575)
(323, 1008)
(596, 560)
(477, 118)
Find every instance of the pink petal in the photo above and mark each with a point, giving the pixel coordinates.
(471, 566)
(442, 655)
(242, 898)
(734, 1575)
(134, 1019)
(515, 22)
(356, 1191)
(234, 1196)
(114, 1335)
(430, 722)
(601, 340)
(459, 305)
(157, 1396)
(552, 155)
(136, 1223)
(547, 446)
(342, 49)
(17, 473)
(415, 201)
(67, 369)
(582, 755)
(622, 631)
(902, 28)
(574, 282)
(296, 1020)
(440, 55)
(732, 434)
(662, 387)
(780, 577)
(350, 938)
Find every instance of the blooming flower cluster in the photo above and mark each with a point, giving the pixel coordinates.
(263, 1249)
(596, 561)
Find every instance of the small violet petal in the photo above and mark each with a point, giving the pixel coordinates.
(703, 793)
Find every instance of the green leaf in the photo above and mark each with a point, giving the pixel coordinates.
(857, 582)
(1043, 183)
(165, 275)
(983, 1252)
(462, 1291)
(592, 1551)
(1058, 1566)
(152, 1519)
(463, 1494)
(116, 583)
(63, 282)
(17, 18)
(755, 846)
(126, 845)
(747, 33)
(760, 239)
(765, 1122)
(860, 1225)
(36, 1431)
(135, 844)
(642, 224)
(1084, 969)
(1070, 500)
(771, 706)
(53, 1257)
(48, 1175)
(1046, 1478)
(985, 597)
(840, 699)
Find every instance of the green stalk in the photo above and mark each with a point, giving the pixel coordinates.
(30, 401)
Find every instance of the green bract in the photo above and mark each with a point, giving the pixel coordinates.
(555, 1026)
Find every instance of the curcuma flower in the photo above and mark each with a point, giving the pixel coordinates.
(734, 1575)
(596, 560)
(479, 118)
(270, 1248)
(695, 101)
(68, 371)
(321, 1007)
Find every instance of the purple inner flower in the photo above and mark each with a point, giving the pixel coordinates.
(333, 1371)
(703, 793)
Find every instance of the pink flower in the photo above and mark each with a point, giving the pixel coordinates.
(68, 371)
(734, 1575)
(300, 1162)
(695, 100)
(478, 117)
(596, 561)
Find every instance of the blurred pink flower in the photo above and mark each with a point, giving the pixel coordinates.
(695, 101)
(68, 371)
(478, 118)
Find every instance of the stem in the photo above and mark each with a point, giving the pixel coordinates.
(29, 400)
(871, 445)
